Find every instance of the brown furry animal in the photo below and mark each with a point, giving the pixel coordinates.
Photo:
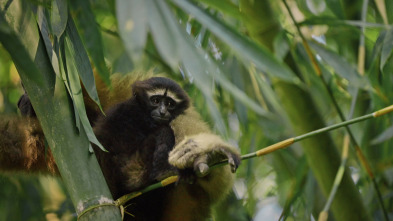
(194, 149)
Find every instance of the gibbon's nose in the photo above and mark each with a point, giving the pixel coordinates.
(162, 110)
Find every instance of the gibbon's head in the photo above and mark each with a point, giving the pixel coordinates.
(162, 97)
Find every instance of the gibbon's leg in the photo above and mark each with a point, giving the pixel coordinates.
(22, 146)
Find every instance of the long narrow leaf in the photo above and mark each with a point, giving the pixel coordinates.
(341, 67)
(91, 36)
(164, 26)
(44, 29)
(59, 16)
(248, 50)
(386, 48)
(76, 89)
(133, 24)
(81, 60)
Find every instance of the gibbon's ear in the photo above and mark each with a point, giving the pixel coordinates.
(139, 92)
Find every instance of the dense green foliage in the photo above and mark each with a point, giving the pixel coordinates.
(252, 76)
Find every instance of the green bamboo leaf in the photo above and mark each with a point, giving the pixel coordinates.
(373, 62)
(165, 32)
(42, 21)
(226, 7)
(336, 7)
(81, 60)
(197, 63)
(384, 136)
(76, 91)
(387, 48)
(247, 49)
(58, 16)
(133, 23)
(91, 36)
(341, 66)
(170, 43)
(334, 22)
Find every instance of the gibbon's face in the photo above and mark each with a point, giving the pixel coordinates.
(163, 103)
(162, 97)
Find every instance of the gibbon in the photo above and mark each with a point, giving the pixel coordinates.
(151, 132)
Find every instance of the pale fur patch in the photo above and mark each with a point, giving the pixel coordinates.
(183, 154)
(220, 180)
(161, 92)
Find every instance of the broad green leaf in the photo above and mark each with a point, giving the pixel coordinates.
(58, 16)
(132, 19)
(248, 50)
(91, 36)
(76, 90)
(81, 60)
(341, 66)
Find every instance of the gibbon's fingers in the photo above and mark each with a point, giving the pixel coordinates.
(185, 155)
(233, 159)
(201, 167)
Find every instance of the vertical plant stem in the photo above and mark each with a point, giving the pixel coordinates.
(317, 69)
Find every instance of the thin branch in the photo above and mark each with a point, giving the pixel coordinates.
(280, 145)
(318, 71)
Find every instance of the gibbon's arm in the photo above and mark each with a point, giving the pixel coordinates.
(197, 147)
(22, 146)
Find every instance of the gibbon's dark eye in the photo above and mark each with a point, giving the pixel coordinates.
(171, 104)
(155, 100)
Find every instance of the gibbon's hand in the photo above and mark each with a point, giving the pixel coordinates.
(201, 151)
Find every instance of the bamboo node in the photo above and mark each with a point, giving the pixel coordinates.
(169, 180)
(275, 147)
(383, 111)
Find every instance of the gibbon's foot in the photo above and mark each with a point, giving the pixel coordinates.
(201, 151)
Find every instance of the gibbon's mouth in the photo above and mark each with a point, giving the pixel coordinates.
(160, 119)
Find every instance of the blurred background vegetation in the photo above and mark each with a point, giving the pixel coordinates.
(254, 78)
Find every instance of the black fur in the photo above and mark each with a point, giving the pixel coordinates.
(138, 148)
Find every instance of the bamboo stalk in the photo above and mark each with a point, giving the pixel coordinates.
(269, 149)
(318, 72)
